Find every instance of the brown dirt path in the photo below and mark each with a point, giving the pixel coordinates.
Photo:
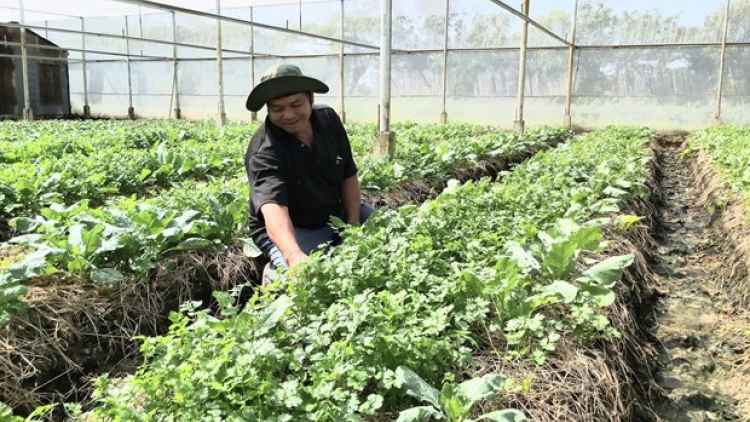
(705, 341)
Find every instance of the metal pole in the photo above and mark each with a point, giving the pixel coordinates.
(519, 124)
(46, 30)
(86, 106)
(176, 79)
(140, 24)
(444, 114)
(342, 68)
(144, 40)
(567, 120)
(131, 110)
(722, 64)
(221, 117)
(253, 114)
(28, 113)
(300, 15)
(385, 138)
(527, 19)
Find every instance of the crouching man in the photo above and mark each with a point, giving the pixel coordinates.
(300, 169)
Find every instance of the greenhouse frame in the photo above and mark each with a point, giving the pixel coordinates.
(162, 60)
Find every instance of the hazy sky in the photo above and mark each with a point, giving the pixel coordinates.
(692, 11)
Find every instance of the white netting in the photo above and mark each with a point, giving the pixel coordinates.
(664, 73)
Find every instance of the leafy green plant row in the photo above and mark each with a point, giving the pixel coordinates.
(432, 152)
(53, 225)
(25, 187)
(729, 150)
(126, 237)
(29, 141)
(390, 321)
(105, 168)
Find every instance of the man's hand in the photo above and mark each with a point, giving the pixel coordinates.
(295, 257)
(281, 232)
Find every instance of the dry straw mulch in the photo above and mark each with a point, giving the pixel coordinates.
(75, 330)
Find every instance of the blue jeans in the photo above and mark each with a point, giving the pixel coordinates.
(309, 240)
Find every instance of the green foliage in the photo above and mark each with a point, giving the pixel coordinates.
(420, 287)
(38, 415)
(432, 152)
(124, 238)
(64, 162)
(453, 402)
(729, 150)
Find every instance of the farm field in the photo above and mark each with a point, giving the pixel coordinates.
(503, 273)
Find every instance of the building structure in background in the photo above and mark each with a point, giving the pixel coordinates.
(49, 88)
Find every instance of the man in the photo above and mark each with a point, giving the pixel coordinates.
(300, 169)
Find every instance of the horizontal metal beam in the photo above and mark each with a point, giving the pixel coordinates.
(507, 48)
(132, 38)
(161, 6)
(642, 46)
(373, 54)
(53, 47)
(533, 23)
(40, 12)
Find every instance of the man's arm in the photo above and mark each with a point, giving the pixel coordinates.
(281, 232)
(351, 199)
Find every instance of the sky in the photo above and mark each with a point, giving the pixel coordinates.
(692, 11)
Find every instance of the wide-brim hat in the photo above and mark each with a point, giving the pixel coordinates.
(280, 81)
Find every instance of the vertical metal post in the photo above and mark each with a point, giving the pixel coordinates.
(385, 139)
(140, 24)
(86, 106)
(342, 68)
(28, 113)
(567, 120)
(300, 15)
(722, 65)
(46, 29)
(221, 118)
(253, 114)
(519, 124)
(131, 110)
(444, 114)
(176, 79)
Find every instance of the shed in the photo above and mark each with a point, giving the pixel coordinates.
(49, 88)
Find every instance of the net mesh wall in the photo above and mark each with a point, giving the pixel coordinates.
(664, 72)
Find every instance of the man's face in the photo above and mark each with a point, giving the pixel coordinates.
(291, 113)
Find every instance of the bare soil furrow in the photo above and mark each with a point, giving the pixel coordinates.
(704, 340)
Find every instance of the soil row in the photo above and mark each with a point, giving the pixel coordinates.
(702, 323)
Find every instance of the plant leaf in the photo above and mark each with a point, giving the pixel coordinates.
(419, 414)
(24, 224)
(249, 249)
(564, 289)
(195, 244)
(106, 276)
(587, 238)
(626, 221)
(480, 388)
(523, 257)
(417, 387)
(273, 313)
(602, 296)
(506, 415)
(609, 271)
(559, 260)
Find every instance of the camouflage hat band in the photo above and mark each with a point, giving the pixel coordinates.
(280, 81)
